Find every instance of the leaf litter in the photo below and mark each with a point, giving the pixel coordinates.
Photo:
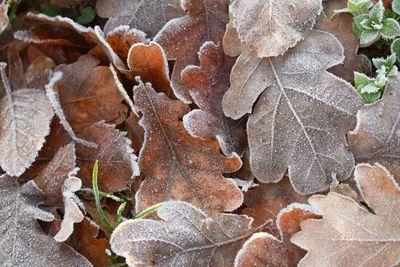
(194, 132)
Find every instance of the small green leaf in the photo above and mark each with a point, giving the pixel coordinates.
(119, 212)
(356, 7)
(396, 6)
(368, 89)
(50, 10)
(371, 98)
(376, 13)
(391, 28)
(87, 15)
(357, 27)
(395, 47)
(360, 79)
(369, 37)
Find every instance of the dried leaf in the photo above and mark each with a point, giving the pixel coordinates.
(3, 15)
(21, 234)
(117, 163)
(349, 234)
(178, 166)
(88, 94)
(148, 16)
(376, 137)
(301, 118)
(271, 27)
(185, 237)
(207, 84)
(182, 37)
(263, 249)
(341, 26)
(122, 38)
(85, 240)
(25, 116)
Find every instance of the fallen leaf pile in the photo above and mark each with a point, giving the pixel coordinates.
(225, 133)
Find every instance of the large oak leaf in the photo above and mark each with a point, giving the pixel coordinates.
(178, 166)
(300, 120)
(185, 237)
(349, 234)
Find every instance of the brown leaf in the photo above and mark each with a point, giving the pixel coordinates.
(263, 249)
(86, 241)
(117, 163)
(3, 16)
(88, 94)
(22, 236)
(178, 166)
(148, 16)
(376, 137)
(182, 37)
(122, 38)
(341, 26)
(270, 28)
(300, 120)
(349, 234)
(25, 116)
(207, 84)
(185, 237)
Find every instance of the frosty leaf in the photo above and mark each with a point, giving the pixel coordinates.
(122, 38)
(271, 27)
(25, 116)
(185, 237)
(117, 163)
(376, 137)
(148, 16)
(178, 166)
(88, 94)
(207, 84)
(340, 26)
(263, 249)
(350, 235)
(300, 120)
(21, 234)
(182, 37)
(3, 16)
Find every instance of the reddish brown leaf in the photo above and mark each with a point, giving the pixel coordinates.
(207, 85)
(88, 94)
(182, 37)
(178, 166)
(122, 38)
(117, 163)
(263, 249)
(341, 26)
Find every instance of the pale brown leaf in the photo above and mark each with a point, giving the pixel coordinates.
(185, 237)
(3, 15)
(302, 114)
(25, 116)
(148, 16)
(349, 234)
(376, 137)
(178, 166)
(22, 242)
(271, 27)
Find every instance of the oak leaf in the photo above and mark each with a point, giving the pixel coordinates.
(263, 249)
(376, 137)
(117, 163)
(271, 27)
(348, 233)
(22, 236)
(185, 237)
(302, 115)
(178, 166)
(341, 26)
(182, 37)
(25, 116)
(3, 16)
(88, 94)
(207, 84)
(148, 16)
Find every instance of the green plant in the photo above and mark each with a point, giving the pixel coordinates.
(371, 89)
(356, 7)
